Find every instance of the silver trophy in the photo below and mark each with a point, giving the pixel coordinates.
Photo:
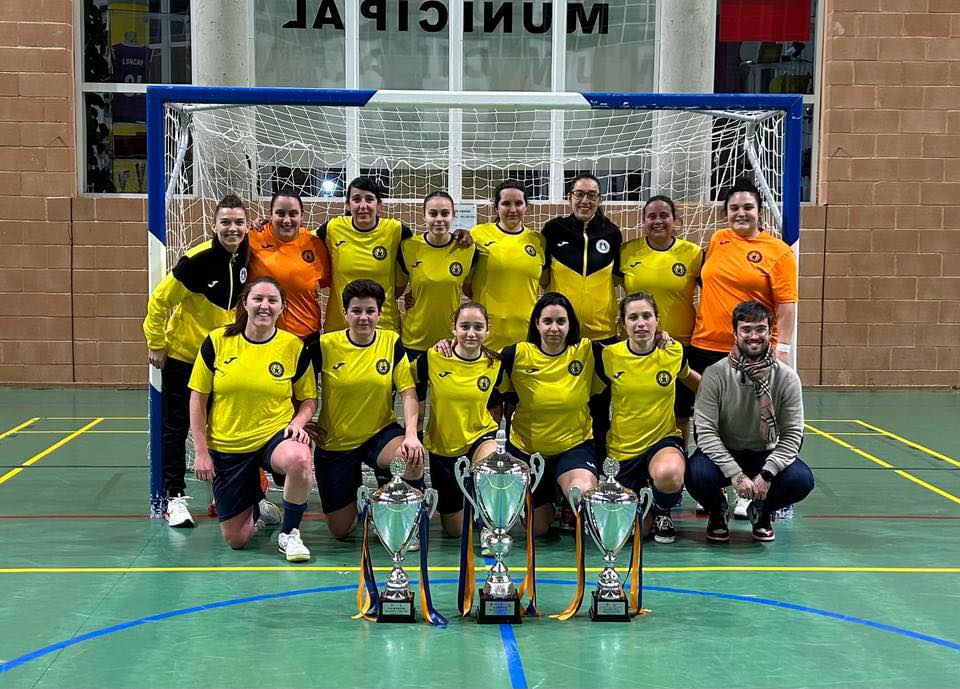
(395, 512)
(500, 484)
(611, 514)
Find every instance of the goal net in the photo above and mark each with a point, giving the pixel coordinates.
(207, 142)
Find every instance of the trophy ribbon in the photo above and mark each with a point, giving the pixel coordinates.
(529, 584)
(368, 597)
(636, 566)
(430, 615)
(579, 512)
(467, 584)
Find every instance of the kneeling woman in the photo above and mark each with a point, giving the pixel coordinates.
(644, 436)
(552, 374)
(460, 423)
(245, 375)
(360, 368)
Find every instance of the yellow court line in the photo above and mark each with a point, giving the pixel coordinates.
(910, 443)
(886, 465)
(61, 432)
(108, 418)
(353, 569)
(837, 434)
(17, 428)
(40, 455)
(834, 420)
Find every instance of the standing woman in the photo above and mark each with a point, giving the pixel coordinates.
(583, 254)
(295, 258)
(667, 268)
(242, 419)
(361, 367)
(363, 245)
(743, 263)
(644, 436)
(552, 374)
(460, 423)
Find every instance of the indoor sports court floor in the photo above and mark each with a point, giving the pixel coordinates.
(860, 588)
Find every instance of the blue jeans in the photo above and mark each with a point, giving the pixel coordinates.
(704, 480)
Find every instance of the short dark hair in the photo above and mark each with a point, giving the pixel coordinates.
(365, 184)
(508, 184)
(744, 184)
(553, 299)
(287, 193)
(660, 197)
(364, 289)
(583, 175)
(229, 201)
(751, 312)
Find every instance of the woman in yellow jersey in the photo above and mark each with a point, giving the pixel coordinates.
(460, 423)
(552, 375)
(242, 419)
(361, 367)
(644, 435)
(363, 245)
(297, 259)
(668, 268)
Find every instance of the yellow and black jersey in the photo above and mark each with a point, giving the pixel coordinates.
(363, 254)
(459, 392)
(583, 259)
(506, 280)
(643, 389)
(437, 274)
(552, 415)
(357, 383)
(670, 276)
(251, 385)
(201, 292)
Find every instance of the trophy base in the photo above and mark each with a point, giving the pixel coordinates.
(396, 611)
(606, 610)
(499, 611)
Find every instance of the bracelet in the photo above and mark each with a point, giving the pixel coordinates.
(767, 476)
(783, 347)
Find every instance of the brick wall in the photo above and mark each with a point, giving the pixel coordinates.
(880, 276)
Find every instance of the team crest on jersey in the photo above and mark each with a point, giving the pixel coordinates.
(379, 252)
(754, 257)
(530, 249)
(275, 368)
(307, 256)
(383, 367)
(679, 269)
(575, 368)
(603, 246)
(456, 269)
(243, 275)
(483, 383)
(664, 378)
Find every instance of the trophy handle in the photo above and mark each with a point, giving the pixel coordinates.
(460, 472)
(537, 466)
(363, 497)
(645, 497)
(574, 497)
(430, 498)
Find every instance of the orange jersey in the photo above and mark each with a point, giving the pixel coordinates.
(736, 269)
(301, 266)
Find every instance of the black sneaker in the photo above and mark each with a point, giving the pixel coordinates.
(663, 528)
(762, 522)
(717, 529)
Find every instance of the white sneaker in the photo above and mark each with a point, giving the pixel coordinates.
(485, 536)
(270, 514)
(177, 514)
(292, 546)
(740, 509)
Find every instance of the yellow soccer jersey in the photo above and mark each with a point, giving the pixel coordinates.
(643, 388)
(357, 384)
(506, 280)
(251, 385)
(552, 415)
(436, 275)
(363, 254)
(459, 392)
(670, 276)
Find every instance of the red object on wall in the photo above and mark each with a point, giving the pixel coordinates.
(765, 20)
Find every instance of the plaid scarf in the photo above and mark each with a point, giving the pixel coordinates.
(758, 372)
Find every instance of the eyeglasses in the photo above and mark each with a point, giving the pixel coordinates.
(580, 195)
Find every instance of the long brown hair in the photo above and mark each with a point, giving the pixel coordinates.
(489, 353)
(240, 321)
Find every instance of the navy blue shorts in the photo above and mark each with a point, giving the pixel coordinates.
(582, 456)
(236, 483)
(442, 478)
(339, 472)
(635, 472)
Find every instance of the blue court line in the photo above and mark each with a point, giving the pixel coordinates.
(515, 666)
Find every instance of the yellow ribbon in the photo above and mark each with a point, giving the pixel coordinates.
(581, 576)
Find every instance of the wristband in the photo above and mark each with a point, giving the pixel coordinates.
(767, 476)
(783, 347)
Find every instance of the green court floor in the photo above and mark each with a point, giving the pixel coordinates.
(859, 589)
